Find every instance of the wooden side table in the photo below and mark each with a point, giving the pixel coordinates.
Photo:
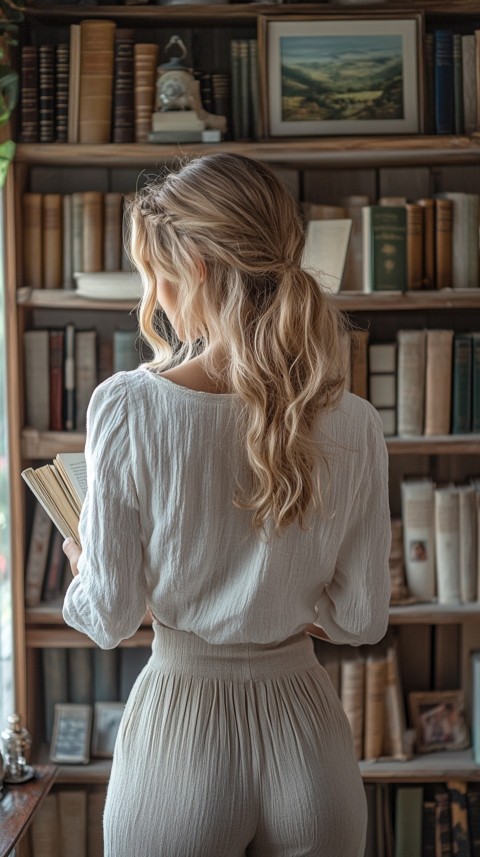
(19, 805)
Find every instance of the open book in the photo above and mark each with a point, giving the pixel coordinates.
(60, 488)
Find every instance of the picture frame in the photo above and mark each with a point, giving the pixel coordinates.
(106, 720)
(438, 718)
(314, 70)
(72, 730)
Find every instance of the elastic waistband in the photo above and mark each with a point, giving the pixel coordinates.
(182, 652)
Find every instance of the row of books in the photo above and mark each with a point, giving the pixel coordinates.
(100, 88)
(64, 234)
(425, 383)
(452, 69)
(441, 525)
(368, 684)
(85, 676)
(431, 243)
(402, 245)
(62, 368)
(425, 820)
(47, 570)
(69, 824)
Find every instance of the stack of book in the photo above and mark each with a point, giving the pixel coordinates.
(452, 62)
(401, 245)
(65, 234)
(440, 535)
(62, 368)
(100, 87)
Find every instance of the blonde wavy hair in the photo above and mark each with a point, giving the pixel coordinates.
(227, 234)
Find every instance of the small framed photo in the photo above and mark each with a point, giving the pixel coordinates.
(439, 720)
(341, 74)
(106, 721)
(72, 731)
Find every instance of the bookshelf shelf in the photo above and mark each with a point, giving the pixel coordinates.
(66, 299)
(53, 636)
(416, 150)
(46, 444)
(435, 614)
(50, 613)
(443, 299)
(39, 445)
(347, 301)
(451, 444)
(432, 767)
(229, 13)
(411, 614)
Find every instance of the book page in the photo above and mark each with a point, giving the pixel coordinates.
(38, 490)
(325, 251)
(73, 470)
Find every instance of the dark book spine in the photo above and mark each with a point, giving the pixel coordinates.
(56, 380)
(429, 83)
(46, 73)
(428, 829)
(444, 82)
(29, 108)
(460, 832)
(458, 83)
(206, 92)
(443, 838)
(61, 92)
(123, 88)
(462, 383)
(473, 806)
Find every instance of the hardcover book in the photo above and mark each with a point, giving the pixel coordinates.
(61, 488)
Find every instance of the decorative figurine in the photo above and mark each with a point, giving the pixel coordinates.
(16, 740)
(179, 115)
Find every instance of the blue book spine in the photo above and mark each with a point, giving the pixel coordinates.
(444, 82)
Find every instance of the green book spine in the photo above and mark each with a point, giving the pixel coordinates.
(462, 383)
(460, 832)
(389, 248)
(408, 821)
(458, 83)
(476, 382)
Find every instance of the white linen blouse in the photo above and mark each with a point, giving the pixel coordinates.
(159, 529)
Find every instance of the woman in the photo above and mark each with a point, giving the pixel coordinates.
(240, 494)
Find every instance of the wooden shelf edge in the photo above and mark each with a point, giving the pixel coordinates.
(459, 299)
(431, 767)
(40, 445)
(328, 151)
(236, 11)
(65, 299)
(50, 614)
(56, 636)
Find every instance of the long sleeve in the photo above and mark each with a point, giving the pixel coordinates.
(106, 600)
(354, 605)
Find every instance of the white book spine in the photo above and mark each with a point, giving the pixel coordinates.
(419, 538)
(411, 382)
(37, 373)
(447, 545)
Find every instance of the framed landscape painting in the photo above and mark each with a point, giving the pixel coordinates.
(344, 75)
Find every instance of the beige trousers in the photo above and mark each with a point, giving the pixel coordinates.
(236, 750)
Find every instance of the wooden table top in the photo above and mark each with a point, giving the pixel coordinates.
(19, 805)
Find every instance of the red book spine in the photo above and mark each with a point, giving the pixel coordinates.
(56, 380)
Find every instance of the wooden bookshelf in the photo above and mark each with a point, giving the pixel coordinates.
(428, 768)
(59, 635)
(347, 152)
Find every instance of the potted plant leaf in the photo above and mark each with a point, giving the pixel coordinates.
(11, 14)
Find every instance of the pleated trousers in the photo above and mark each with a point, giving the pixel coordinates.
(236, 750)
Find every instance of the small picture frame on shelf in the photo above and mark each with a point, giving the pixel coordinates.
(106, 720)
(72, 731)
(341, 74)
(439, 720)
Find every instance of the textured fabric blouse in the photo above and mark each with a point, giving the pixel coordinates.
(159, 529)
